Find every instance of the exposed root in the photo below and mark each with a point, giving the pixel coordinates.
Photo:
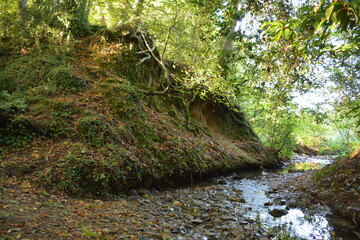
(147, 47)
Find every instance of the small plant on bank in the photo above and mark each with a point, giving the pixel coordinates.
(19, 132)
(93, 130)
(82, 172)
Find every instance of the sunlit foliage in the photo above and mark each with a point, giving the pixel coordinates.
(252, 53)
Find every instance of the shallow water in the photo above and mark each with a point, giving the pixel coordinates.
(240, 207)
(257, 190)
(295, 223)
(322, 160)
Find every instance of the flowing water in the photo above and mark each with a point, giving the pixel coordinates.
(250, 205)
(263, 199)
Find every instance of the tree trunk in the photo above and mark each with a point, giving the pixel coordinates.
(88, 9)
(228, 46)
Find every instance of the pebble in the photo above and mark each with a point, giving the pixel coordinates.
(144, 191)
(196, 221)
(226, 218)
(123, 236)
(132, 192)
(211, 212)
(278, 212)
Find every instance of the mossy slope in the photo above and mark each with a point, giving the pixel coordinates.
(90, 123)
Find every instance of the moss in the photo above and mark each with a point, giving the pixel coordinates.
(40, 69)
(124, 99)
(57, 117)
(80, 172)
(93, 131)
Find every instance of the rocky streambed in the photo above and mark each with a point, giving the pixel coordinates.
(247, 205)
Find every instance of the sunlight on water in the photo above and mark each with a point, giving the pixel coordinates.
(295, 223)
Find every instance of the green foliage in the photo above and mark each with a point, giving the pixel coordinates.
(331, 132)
(40, 70)
(88, 233)
(123, 98)
(304, 166)
(81, 173)
(257, 68)
(12, 102)
(93, 130)
(272, 118)
(355, 111)
(314, 25)
(63, 79)
(16, 141)
(20, 132)
(58, 119)
(42, 21)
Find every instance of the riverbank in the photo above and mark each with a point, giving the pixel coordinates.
(243, 205)
(338, 186)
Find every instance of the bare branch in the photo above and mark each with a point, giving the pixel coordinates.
(166, 71)
(168, 34)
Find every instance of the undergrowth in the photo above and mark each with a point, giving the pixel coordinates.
(43, 70)
(82, 172)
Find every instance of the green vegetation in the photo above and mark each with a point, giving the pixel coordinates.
(303, 166)
(172, 85)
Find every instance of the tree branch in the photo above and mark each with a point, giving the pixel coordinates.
(169, 32)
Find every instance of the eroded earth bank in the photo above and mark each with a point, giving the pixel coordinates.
(259, 204)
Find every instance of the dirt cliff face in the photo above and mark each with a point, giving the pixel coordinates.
(105, 123)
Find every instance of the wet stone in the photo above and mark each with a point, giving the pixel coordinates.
(226, 218)
(124, 236)
(134, 198)
(292, 205)
(196, 221)
(278, 212)
(132, 192)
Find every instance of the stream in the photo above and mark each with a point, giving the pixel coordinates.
(247, 205)
(244, 205)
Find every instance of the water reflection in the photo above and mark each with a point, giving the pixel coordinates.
(295, 223)
(305, 226)
(323, 160)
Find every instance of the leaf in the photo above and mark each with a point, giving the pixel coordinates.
(329, 12)
(343, 18)
(288, 34)
(278, 35)
(318, 27)
(318, 7)
(265, 24)
(88, 233)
